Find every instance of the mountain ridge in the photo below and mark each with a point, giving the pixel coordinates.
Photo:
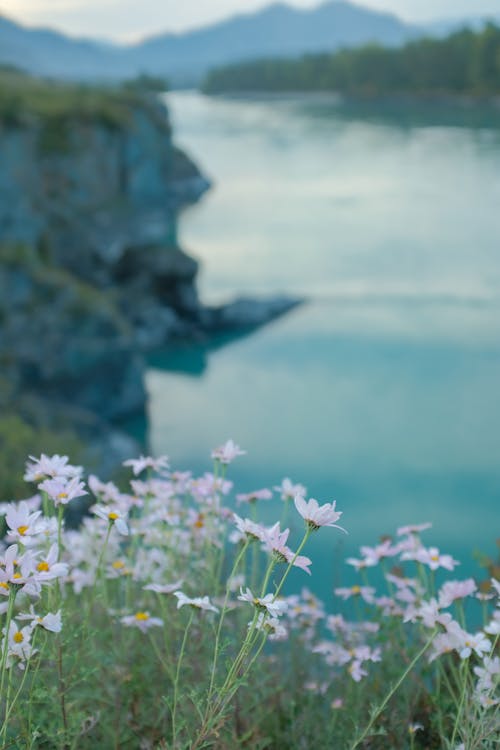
(277, 30)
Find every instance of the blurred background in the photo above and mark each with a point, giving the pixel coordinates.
(273, 222)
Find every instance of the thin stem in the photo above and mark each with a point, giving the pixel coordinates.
(222, 616)
(292, 561)
(176, 682)
(391, 692)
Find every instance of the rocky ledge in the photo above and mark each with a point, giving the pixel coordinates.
(91, 274)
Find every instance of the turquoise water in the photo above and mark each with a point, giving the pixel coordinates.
(382, 391)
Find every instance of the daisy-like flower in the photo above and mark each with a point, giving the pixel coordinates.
(434, 559)
(166, 588)
(367, 593)
(226, 453)
(356, 670)
(288, 490)
(147, 462)
(271, 625)
(51, 621)
(252, 497)
(250, 529)
(477, 643)
(493, 627)
(199, 602)
(268, 603)
(452, 590)
(21, 522)
(316, 515)
(47, 467)
(488, 674)
(62, 490)
(275, 542)
(413, 529)
(49, 568)
(113, 516)
(19, 646)
(141, 620)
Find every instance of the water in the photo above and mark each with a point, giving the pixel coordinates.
(383, 390)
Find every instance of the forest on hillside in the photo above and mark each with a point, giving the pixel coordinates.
(464, 63)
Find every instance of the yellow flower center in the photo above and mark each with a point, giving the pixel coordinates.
(43, 566)
(17, 575)
(62, 496)
(200, 521)
(356, 589)
(4, 585)
(434, 558)
(18, 637)
(141, 616)
(22, 530)
(112, 516)
(118, 565)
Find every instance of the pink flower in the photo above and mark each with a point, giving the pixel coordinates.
(289, 491)
(413, 529)
(252, 497)
(226, 453)
(316, 515)
(53, 466)
(477, 643)
(147, 462)
(434, 559)
(365, 592)
(452, 590)
(250, 529)
(276, 543)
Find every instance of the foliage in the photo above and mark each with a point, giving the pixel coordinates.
(465, 63)
(103, 647)
(54, 107)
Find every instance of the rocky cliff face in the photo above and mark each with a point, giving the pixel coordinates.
(91, 274)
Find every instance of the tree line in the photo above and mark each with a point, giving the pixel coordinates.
(464, 63)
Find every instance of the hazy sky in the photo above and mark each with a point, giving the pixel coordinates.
(131, 19)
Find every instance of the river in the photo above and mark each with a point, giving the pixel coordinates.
(382, 391)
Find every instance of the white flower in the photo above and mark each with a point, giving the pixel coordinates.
(147, 462)
(289, 491)
(274, 607)
(50, 466)
(167, 588)
(316, 515)
(199, 602)
(113, 516)
(141, 620)
(61, 490)
(21, 522)
(226, 453)
(477, 643)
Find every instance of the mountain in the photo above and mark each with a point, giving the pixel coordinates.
(278, 30)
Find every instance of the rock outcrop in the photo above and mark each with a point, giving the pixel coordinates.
(92, 276)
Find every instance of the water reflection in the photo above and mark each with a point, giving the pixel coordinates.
(383, 391)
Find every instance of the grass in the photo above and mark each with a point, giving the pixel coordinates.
(161, 644)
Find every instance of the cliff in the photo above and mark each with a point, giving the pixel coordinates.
(91, 275)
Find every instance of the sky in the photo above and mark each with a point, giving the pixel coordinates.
(127, 20)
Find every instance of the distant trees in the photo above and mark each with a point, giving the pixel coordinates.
(465, 63)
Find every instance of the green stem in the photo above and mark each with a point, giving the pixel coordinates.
(10, 609)
(176, 682)
(222, 616)
(391, 692)
(292, 561)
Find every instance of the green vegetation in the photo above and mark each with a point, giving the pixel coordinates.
(465, 63)
(55, 106)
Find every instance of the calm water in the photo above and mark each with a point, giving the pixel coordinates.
(383, 391)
